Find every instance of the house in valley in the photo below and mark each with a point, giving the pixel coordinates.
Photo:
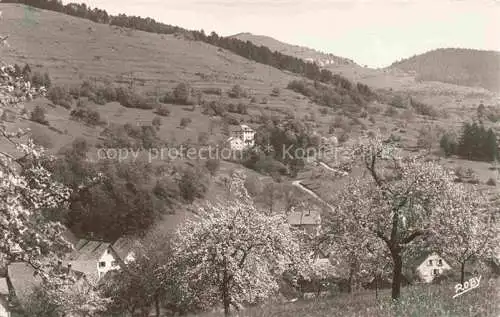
(429, 265)
(23, 281)
(245, 134)
(307, 218)
(94, 258)
(4, 298)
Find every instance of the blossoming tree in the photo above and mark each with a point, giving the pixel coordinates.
(398, 201)
(234, 253)
(26, 235)
(468, 231)
(26, 188)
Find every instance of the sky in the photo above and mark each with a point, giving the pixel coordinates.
(375, 33)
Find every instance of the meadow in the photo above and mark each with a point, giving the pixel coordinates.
(417, 301)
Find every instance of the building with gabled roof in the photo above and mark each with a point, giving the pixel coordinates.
(307, 219)
(94, 258)
(245, 134)
(428, 265)
(125, 248)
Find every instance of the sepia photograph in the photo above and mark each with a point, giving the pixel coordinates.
(249, 158)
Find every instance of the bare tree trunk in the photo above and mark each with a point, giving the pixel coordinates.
(226, 298)
(396, 275)
(462, 273)
(157, 305)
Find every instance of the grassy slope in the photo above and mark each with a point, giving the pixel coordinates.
(73, 49)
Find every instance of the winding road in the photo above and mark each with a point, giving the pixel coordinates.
(298, 183)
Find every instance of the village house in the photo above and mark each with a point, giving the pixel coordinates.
(307, 219)
(22, 281)
(430, 265)
(94, 258)
(245, 134)
(125, 249)
(4, 298)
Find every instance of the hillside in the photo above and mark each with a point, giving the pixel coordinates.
(465, 67)
(305, 53)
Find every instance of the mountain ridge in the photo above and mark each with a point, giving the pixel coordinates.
(303, 52)
(460, 66)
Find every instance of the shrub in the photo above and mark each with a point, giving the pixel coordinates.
(232, 120)
(38, 115)
(193, 184)
(491, 182)
(423, 109)
(391, 111)
(163, 111)
(212, 91)
(477, 143)
(203, 138)
(81, 103)
(213, 166)
(130, 99)
(86, 115)
(237, 92)
(215, 108)
(240, 108)
(109, 93)
(59, 96)
(182, 93)
(398, 102)
(448, 144)
(156, 122)
(275, 92)
(39, 80)
(185, 122)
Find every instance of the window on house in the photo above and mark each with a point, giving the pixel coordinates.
(430, 262)
(440, 262)
(435, 271)
(102, 264)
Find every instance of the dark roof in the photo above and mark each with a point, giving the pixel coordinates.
(415, 261)
(298, 218)
(23, 279)
(125, 245)
(88, 250)
(88, 268)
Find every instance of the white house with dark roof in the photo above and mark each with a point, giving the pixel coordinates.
(429, 265)
(4, 298)
(243, 133)
(94, 258)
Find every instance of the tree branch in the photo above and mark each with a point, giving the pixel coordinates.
(412, 236)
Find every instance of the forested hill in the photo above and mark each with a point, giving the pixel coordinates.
(465, 67)
(260, 54)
